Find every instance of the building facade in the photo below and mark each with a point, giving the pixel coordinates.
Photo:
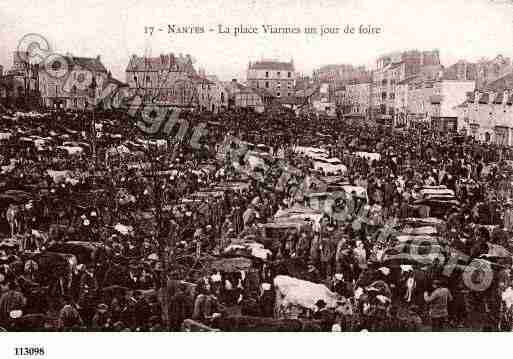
(436, 102)
(166, 80)
(72, 90)
(483, 72)
(20, 83)
(278, 78)
(391, 70)
(240, 96)
(354, 99)
(488, 116)
(212, 95)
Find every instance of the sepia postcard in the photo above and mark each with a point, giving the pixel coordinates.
(343, 167)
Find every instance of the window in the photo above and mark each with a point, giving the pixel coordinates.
(222, 97)
(278, 94)
(278, 73)
(267, 74)
(257, 86)
(289, 94)
(289, 85)
(279, 84)
(289, 74)
(384, 96)
(267, 84)
(135, 79)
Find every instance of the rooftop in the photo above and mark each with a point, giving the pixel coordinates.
(91, 63)
(272, 65)
(162, 62)
(503, 83)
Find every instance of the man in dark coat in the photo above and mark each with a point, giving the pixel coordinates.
(180, 307)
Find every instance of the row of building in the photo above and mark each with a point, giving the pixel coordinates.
(412, 86)
(165, 80)
(405, 88)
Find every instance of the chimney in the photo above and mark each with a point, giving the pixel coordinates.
(98, 58)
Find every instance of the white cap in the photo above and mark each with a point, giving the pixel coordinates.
(15, 314)
(336, 328)
(384, 270)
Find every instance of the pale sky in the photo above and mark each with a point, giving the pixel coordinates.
(467, 29)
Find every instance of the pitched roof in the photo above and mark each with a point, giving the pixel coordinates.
(395, 65)
(272, 65)
(90, 63)
(502, 83)
(199, 79)
(234, 87)
(162, 62)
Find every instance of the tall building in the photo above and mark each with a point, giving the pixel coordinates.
(354, 99)
(72, 90)
(392, 69)
(337, 76)
(276, 77)
(483, 72)
(165, 80)
(240, 96)
(436, 101)
(20, 82)
(341, 74)
(487, 115)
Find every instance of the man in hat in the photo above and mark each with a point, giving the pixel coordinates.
(102, 318)
(69, 318)
(326, 316)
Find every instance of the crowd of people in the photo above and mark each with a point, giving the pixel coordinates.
(107, 229)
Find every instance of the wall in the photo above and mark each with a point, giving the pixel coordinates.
(482, 119)
(453, 94)
(278, 82)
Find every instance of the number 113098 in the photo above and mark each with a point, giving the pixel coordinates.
(29, 351)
